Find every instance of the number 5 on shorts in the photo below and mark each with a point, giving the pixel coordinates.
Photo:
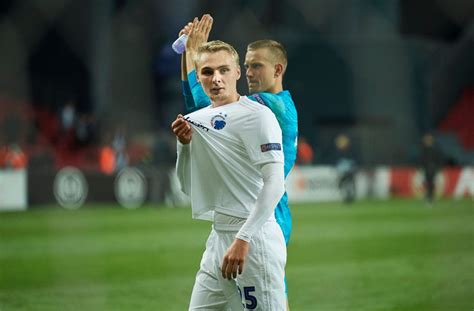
(251, 301)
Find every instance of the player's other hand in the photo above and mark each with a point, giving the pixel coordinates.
(234, 259)
(182, 129)
(186, 29)
(198, 32)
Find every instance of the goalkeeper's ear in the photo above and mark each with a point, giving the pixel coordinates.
(279, 69)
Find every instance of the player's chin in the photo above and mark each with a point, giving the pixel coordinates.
(217, 97)
(253, 88)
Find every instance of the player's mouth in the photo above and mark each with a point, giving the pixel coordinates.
(216, 90)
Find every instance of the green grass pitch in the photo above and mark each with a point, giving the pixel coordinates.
(372, 255)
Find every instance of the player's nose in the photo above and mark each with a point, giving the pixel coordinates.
(248, 73)
(216, 78)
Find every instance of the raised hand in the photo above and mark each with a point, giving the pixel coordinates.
(199, 32)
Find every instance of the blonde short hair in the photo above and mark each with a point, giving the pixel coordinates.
(216, 46)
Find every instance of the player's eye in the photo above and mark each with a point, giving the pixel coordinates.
(206, 72)
(224, 70)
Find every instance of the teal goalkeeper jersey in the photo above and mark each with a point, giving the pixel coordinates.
(282, 105)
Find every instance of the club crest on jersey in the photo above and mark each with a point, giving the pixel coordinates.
(218, 121)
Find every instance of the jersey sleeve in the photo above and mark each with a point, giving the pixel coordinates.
(183, 167)
(262, 138)
(194, 96)
(188, 97)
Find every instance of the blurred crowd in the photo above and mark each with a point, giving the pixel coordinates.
(47, 140)
(97, 85)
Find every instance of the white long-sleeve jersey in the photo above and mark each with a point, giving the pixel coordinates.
(220, 168)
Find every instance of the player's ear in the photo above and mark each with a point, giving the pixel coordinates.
(198, 75)
(278, 70)
(238, 72)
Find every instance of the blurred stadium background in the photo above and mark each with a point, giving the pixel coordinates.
(88, 90)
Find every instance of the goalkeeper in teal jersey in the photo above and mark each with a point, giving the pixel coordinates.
(265, 64)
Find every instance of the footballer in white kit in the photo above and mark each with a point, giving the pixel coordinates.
(222, 169)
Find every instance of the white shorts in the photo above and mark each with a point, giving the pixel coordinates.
(261, 286)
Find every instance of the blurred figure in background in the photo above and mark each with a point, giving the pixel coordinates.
(68, 115)
(12, 157)
(113, 154)
(305, 152)
(119, 144)
(346, 167)
(430, 164)
(107, 159)
(85, 129)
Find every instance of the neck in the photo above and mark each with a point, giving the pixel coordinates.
(221, 102)
(276, 88)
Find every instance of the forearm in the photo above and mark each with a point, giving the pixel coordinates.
(184, 72)
(199, 97)
(189, 103)
(183, 166)
(272, 191)
(189, 61)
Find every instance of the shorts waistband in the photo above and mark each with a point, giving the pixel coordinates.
(226, 227)
(223, 222)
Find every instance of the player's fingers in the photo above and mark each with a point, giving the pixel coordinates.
(186, 29)
(208, 25)
(179, 118)
(235, 268)
(190, 29)
(200, 25)
(184, 133)
(182, 130)
(227, 268)
(179, 128)
(203, 23)
(224, 267)
(230, 270)
(195, 24)
(176, 123)
(241, 266)
(188, 135)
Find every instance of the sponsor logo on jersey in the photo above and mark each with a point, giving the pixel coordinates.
(259, 99)
(270, 146)
(218, 121)
(197, 124)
